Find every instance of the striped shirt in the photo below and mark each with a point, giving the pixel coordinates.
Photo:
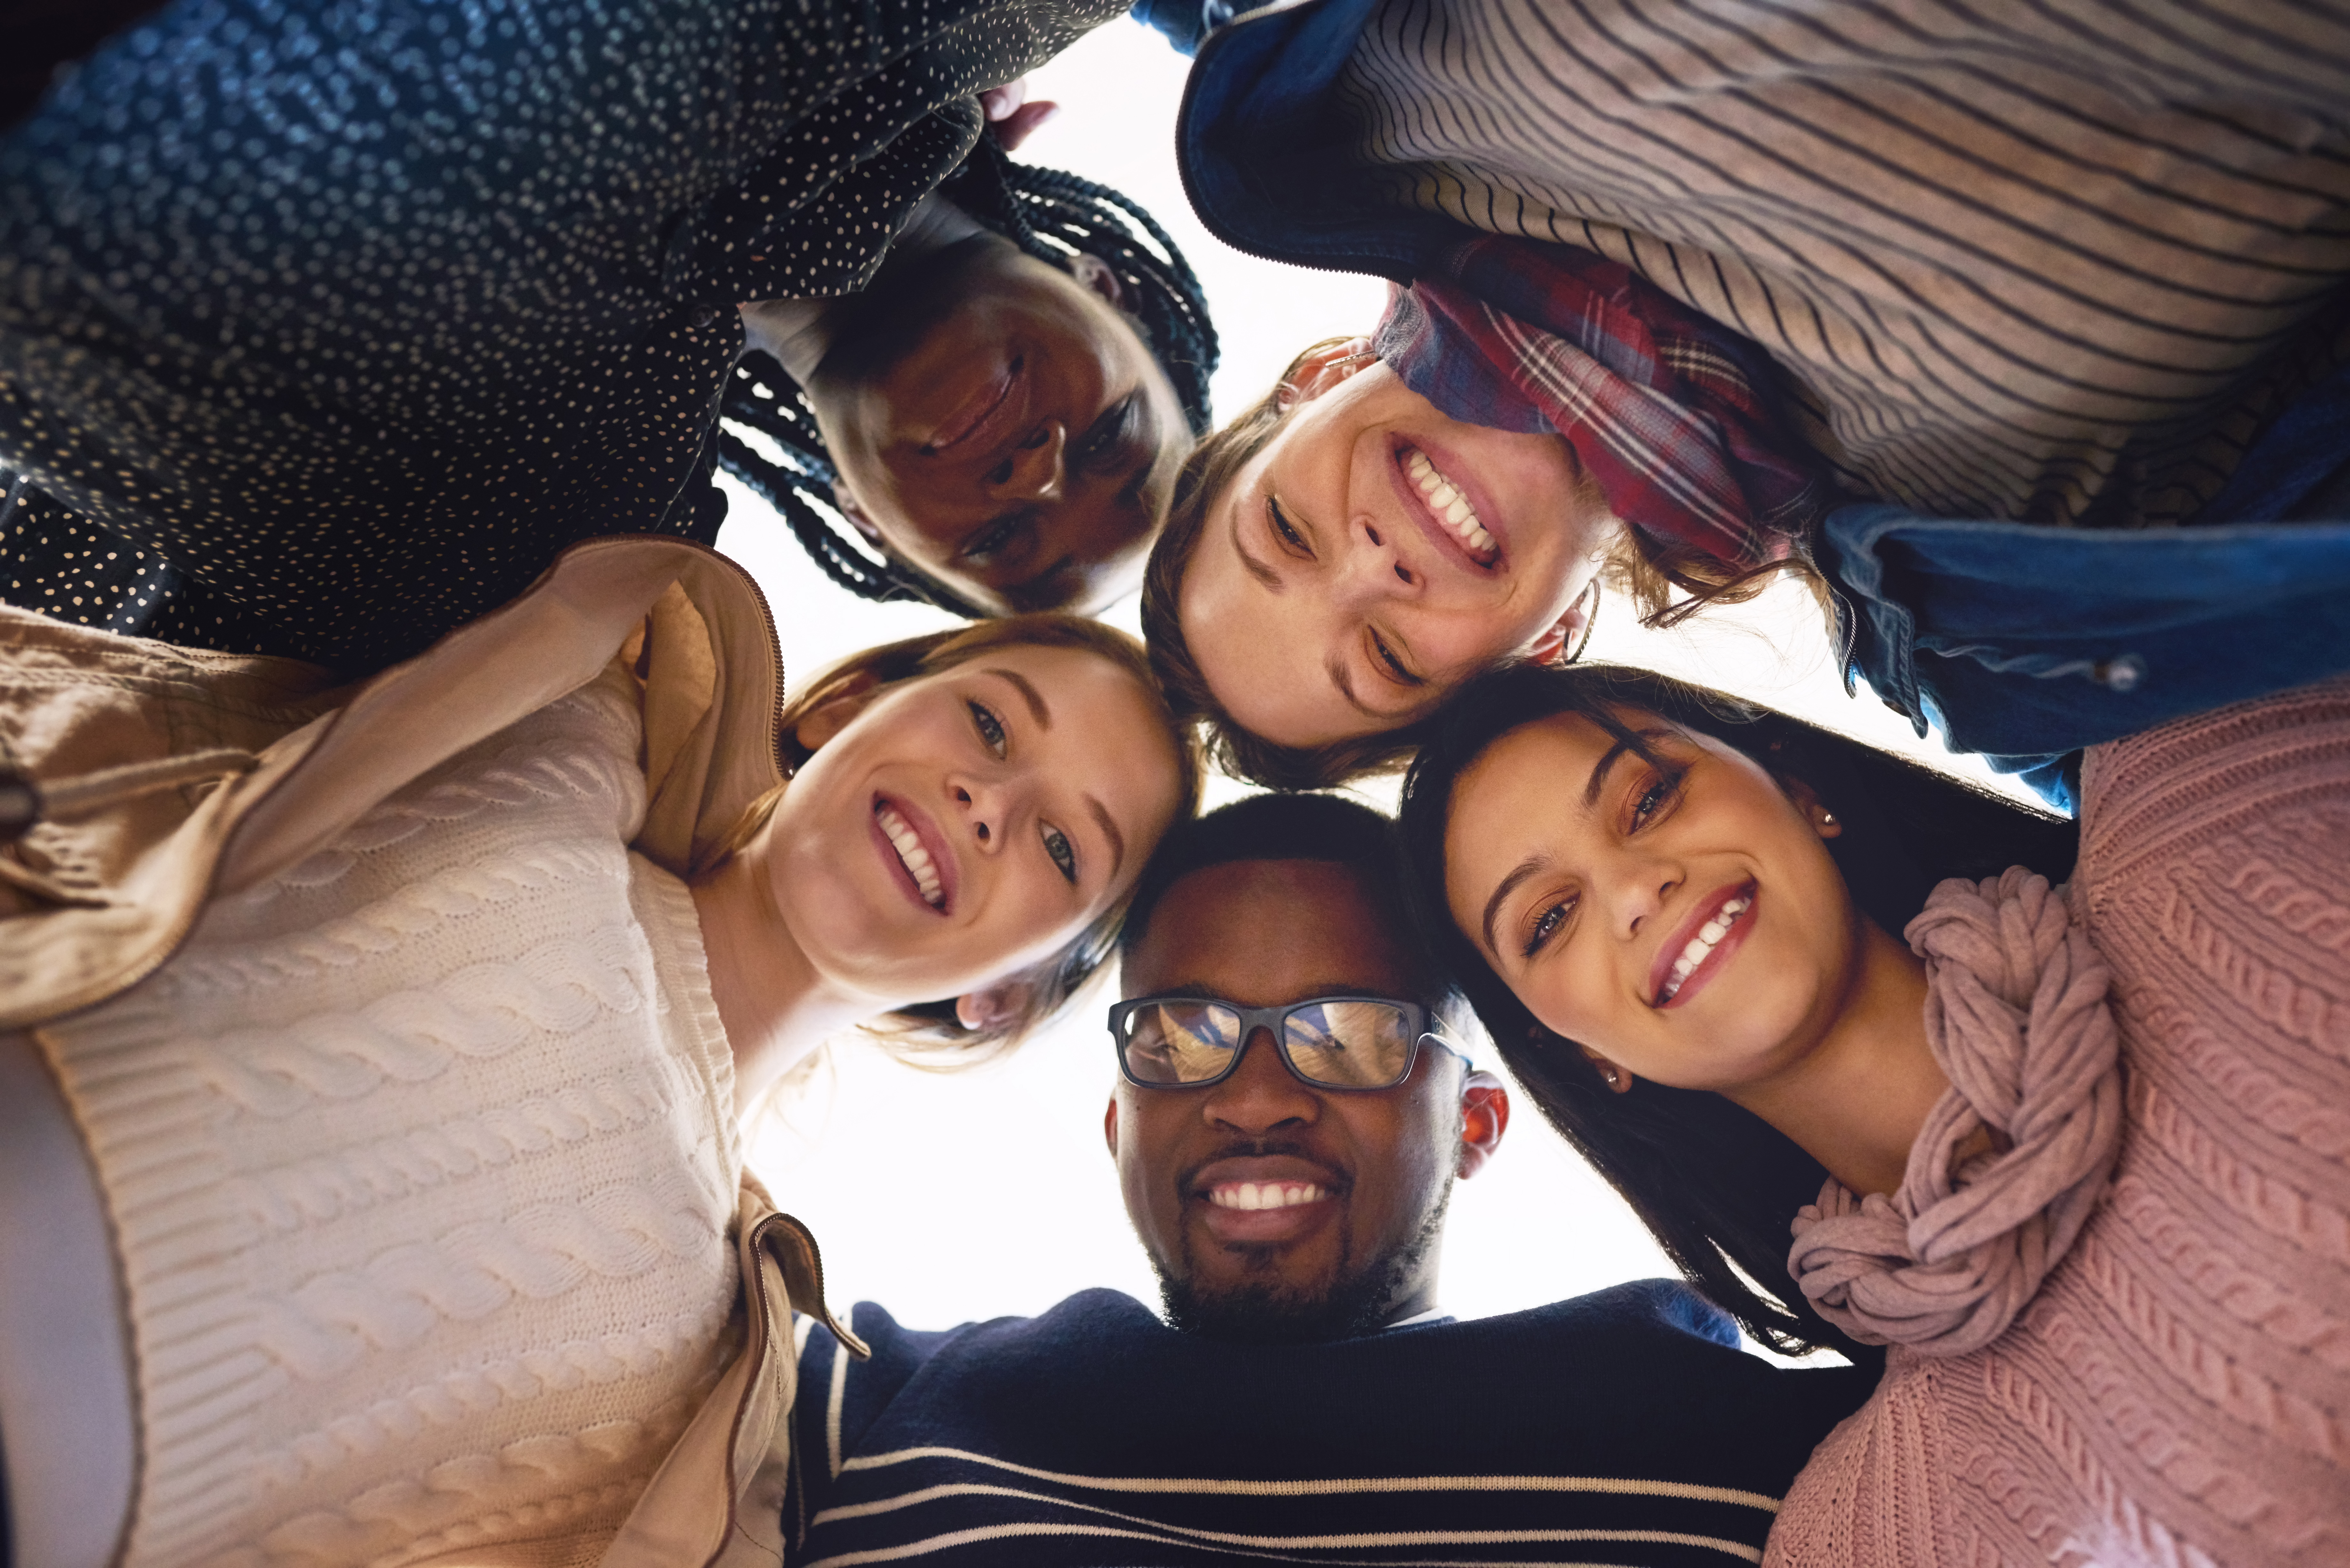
(1622, 1428)
(2053, 263)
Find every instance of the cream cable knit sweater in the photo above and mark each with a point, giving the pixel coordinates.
(420, 1161)
(2179, 1391)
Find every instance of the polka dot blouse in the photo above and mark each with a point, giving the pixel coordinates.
(324, 324)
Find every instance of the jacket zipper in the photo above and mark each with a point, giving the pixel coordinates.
(775, 646)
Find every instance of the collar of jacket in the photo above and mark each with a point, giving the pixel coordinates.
(93, 903)
(1267, 150)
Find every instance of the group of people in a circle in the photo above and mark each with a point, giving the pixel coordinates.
(413, 859)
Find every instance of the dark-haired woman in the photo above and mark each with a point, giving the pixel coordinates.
(323, 329)
(999, 414)
(2076, 1153)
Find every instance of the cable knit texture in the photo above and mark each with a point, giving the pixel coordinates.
(2177, 1393)
(2016, 1017)
(421, 1159)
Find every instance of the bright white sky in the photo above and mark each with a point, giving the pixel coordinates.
(952, 1197)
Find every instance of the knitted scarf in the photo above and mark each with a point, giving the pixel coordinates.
(1668, 410)
(2016, 1016)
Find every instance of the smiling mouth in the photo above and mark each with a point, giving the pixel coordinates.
(1700, 946)
(1448, 506)
(911, 854)
(1265, 1194)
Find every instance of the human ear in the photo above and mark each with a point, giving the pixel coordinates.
(1321, 369)
(1484, 1117)
(1559, 643)
(996, 1007)
(1615, 1077)
(1097, 277)
(1109, 1127)
(833, 714)
(1824, 822)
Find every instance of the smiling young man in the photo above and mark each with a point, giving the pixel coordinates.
(1290, 1117)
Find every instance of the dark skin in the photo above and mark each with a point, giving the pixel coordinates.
(997, 422)
(1261, 933)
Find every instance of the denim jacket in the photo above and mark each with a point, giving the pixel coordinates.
(2027, 643)
(2022, 642)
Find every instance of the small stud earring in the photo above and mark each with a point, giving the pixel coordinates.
(1609, 1074)
(1827, 819)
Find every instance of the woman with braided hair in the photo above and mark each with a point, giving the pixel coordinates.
(999, 414)
(324, 328)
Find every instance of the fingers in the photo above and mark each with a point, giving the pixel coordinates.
(1016, 127)
(1014, 117)
(999, 102)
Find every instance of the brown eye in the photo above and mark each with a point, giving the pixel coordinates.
(1655, 798)
(1281, 527)
(1395, 667)
(1546, 925)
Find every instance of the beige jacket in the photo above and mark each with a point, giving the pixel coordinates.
(157, 777)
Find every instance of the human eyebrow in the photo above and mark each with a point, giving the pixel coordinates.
(1028, 692)
(1518, 873)
(1257, 569)
(1635, 742)
(1110, 832)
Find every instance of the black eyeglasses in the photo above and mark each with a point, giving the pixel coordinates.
(1330, 1041)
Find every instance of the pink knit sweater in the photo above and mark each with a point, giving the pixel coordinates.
(2179, 1391)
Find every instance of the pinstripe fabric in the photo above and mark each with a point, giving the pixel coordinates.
(2047, 262)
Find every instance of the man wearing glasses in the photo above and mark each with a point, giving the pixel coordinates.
(1292, 1109)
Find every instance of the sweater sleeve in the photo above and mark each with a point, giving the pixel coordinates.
(2176, 1391)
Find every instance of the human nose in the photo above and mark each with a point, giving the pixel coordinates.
(1373, 566)
(1033, 471)
(986, 807)
(1262, 1094)
(1637, 888)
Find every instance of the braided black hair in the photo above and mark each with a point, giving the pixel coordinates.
(1050, 214)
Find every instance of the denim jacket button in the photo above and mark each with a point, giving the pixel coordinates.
(2120, 673)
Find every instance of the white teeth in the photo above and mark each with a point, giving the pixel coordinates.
(1265, 1195)
(909, 845)
(1448, 504)
(1712, 932)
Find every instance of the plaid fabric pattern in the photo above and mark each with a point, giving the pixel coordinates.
(1666, 408)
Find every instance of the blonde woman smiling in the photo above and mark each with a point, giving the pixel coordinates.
(372, 1188)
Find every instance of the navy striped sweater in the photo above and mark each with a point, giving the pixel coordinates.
(1622, 1428)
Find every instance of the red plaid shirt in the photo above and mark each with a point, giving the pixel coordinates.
(1665, 407)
